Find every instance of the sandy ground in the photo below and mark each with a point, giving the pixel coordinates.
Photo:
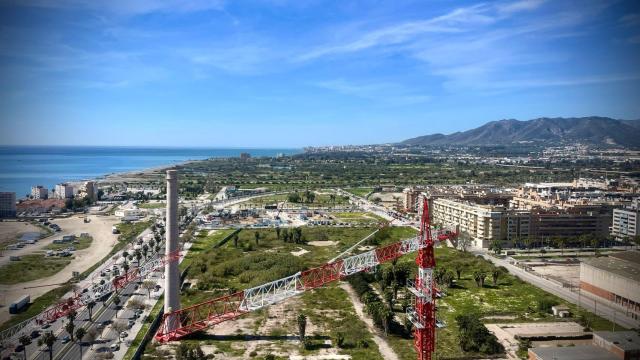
(299, 252)
(564, 273)
(385, 350)
(10, 231)
(323, 243)
(103, 241)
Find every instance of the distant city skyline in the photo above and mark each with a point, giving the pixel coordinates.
(292, 74)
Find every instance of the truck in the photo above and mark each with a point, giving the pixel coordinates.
(19, 305)
(114, 230)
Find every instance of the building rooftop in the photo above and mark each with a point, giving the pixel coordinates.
(578, 352)
(626, 340)
(625, 263)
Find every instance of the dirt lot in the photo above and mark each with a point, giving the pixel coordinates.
(569, 274)
(103, 240)
(10, 231)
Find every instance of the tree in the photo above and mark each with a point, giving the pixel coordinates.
(145, 250)
(278, 232)
(495, 274)
(91, 335)
(385, 316)
(496, 246)
(595, 242)
(119, 326)
(125, 267)
(479, 277)
(464, 242)
(69, 327)
(294, 197)
(257, 236)
(235, 240)
(148, 285)
(48, 339)
(560, 242)
(528, 241)
(302, 326)
(24, 341)
(72, 315)
(636, 240)
(80, 333)
(138, 256)
(90, 307)
(116, 302)
(459, 267)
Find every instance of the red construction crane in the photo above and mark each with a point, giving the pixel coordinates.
(210, 313)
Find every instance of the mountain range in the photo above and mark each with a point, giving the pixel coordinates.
(586, 130)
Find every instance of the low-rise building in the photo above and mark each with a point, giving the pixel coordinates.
(615, 278)
(39, 192)
(7, 204)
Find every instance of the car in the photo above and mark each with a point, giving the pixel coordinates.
(124, 334)
(114, 347)
(19, 348)
(66, 339)
(45, 325)
(34, 334)
(131, 323)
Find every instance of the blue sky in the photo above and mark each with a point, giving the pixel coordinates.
(293, 73)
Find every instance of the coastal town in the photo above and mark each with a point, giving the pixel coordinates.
(567, 245)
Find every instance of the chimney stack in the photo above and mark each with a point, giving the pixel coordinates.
(172, 275)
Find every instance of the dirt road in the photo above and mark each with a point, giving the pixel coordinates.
(385, 350)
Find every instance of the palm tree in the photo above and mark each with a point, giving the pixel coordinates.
(594, 243)
(24, 340)
(302, 326)
(90, 307)
(235, 240)
(69, 327)
(560, 242)
(80, 333)
(138, 256)
(528, 241)
(48, 339)
(116, 302)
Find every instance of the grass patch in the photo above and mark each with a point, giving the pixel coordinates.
(32, 267)
(360, 191)
(510, 296)
(148, 205)
(83, 243)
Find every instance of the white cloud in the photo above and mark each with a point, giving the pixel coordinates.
(385, 92)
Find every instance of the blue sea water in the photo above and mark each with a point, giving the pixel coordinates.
(24, 166)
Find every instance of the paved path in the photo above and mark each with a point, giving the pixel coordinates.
(599, 307)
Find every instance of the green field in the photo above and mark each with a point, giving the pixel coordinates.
(32, 267)
(148, 205)
(510, 296)
(217, 271)
(359, 191)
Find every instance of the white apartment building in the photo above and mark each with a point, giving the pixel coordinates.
(39, 192)
(483, 223)
(626, 223)
(64, 191)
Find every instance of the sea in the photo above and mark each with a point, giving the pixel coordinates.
(22, 167)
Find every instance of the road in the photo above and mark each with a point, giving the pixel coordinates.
(598, 307)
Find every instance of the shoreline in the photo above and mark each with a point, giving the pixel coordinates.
(140, 173)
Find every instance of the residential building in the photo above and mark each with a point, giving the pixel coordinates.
(615, 278)
(39, 192)
(245, 156)
(569, 223)
(7, 204)
(64, 191)
(482, 223)
(410, 199)
(626, 223)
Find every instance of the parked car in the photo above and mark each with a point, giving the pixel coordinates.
(66, 339)
(114, 347)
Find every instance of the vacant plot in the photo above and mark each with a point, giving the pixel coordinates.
(152, 205)
(83, 243)
(507, 300)
(333, 326)
(362, 191)
(357, 217)
(11, 231)
(32, 267)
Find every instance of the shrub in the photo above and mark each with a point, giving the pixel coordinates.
(546, 303)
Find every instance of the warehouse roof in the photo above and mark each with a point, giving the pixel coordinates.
(625, 340)
(578, 352)
(625, 263)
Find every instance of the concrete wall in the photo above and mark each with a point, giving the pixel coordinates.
(608, 282)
